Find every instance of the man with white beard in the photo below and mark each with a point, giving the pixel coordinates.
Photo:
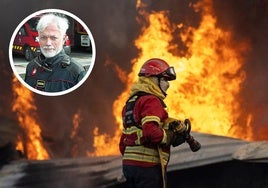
(53, 70)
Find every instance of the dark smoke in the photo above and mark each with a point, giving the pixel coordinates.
(114, 27)
(249, 21)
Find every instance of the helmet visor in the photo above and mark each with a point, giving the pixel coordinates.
(169, 74)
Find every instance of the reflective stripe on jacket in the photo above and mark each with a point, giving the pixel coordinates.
(144, 154)
(139, 144)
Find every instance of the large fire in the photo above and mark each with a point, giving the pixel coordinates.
(206, 90)
(208, 77)
(30, 141)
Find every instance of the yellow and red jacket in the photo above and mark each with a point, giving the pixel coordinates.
(139, 142)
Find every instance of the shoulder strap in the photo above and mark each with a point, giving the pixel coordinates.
(129, 118)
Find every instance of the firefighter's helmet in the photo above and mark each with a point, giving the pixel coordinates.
(157, 67)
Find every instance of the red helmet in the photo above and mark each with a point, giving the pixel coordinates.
(157, 67)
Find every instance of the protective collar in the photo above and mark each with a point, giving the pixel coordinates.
(146, 84)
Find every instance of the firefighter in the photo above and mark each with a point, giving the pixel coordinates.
(148, 131)
(53, 70)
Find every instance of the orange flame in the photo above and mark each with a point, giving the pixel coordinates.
(104, 144)
(74, 134)
(209, 79)
(209, 76)
(23, 105)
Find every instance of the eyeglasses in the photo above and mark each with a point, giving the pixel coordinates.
(45, 38)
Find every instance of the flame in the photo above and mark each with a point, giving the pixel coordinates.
(104, 144)
(74, 134)
(31, 142)
(76, 122)
(208, 80)
(249, 127)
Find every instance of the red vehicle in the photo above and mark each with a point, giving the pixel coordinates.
(78, 36)
(26, 40)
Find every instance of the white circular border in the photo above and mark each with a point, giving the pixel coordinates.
(92, 58)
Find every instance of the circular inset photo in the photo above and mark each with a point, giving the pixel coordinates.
(52, 52)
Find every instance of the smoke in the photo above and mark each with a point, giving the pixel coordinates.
(114, 27)
(249, 22)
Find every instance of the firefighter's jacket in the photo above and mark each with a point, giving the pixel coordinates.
(54, 74)
(139, 143)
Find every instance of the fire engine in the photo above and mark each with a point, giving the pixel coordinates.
(78, 36)
(26, 40)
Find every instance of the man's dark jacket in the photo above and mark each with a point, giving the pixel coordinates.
(54, 74)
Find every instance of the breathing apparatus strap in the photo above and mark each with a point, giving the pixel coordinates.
(129, 118)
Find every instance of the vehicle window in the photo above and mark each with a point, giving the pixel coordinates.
(22, 31)
(32, 23)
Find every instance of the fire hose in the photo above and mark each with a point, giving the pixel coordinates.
(193, 144)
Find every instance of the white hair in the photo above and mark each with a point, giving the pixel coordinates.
(61, 22)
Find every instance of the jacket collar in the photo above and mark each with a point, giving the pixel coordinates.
(146, 84)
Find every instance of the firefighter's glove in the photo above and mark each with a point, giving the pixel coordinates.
(188, 126)
(176, 126)
(178, 139)
(169, 137)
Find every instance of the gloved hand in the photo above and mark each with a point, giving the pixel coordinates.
(180, 132)
(179, 129)
(188, 127)
(178, 139)
(170, 137)
(176, 126)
